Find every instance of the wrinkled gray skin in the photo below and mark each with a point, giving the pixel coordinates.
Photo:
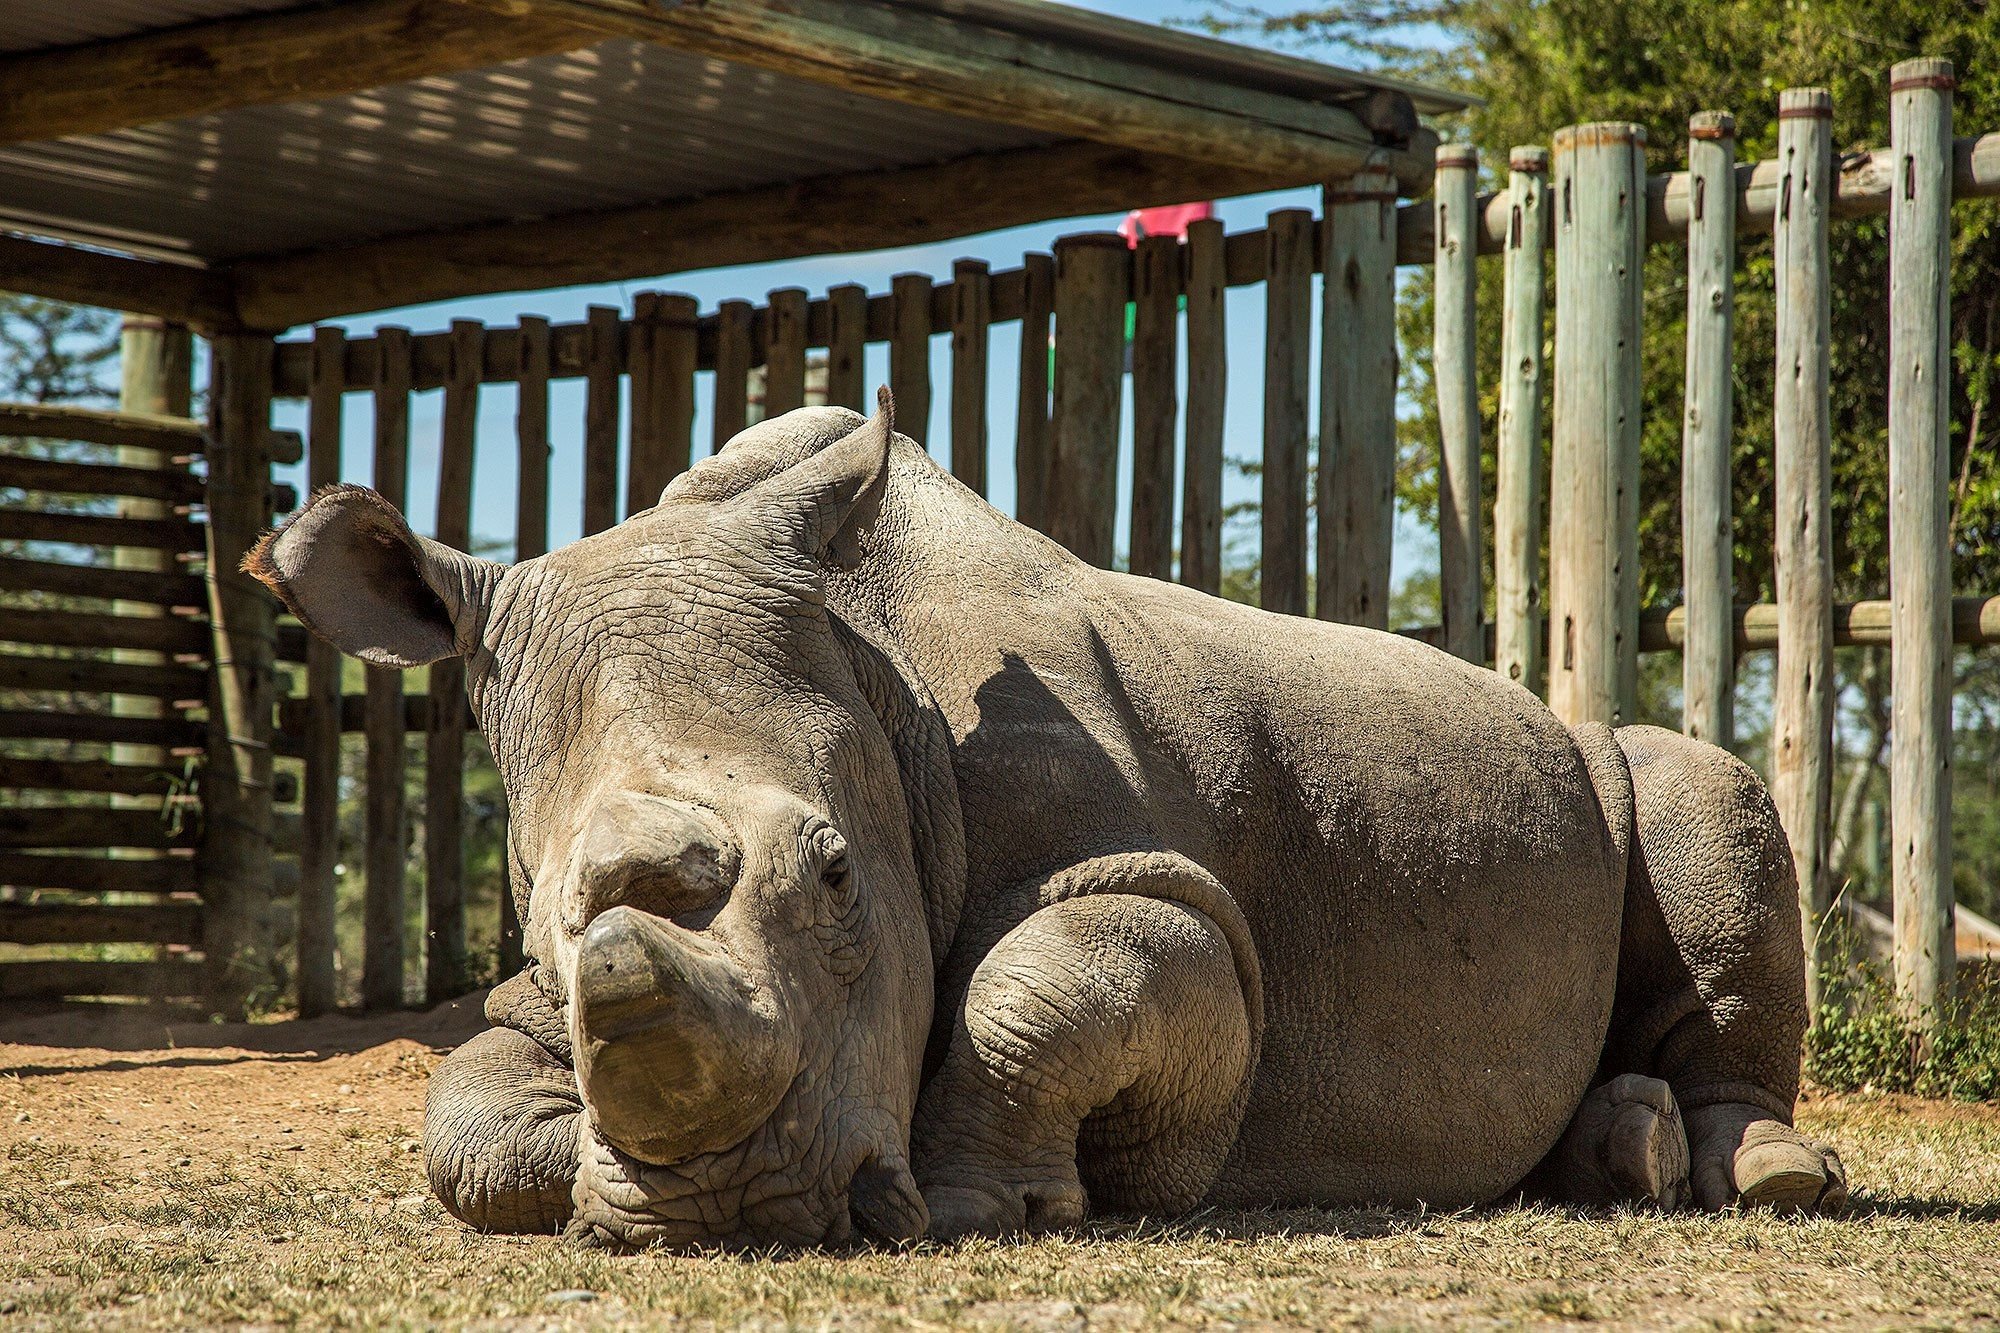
(888, 871)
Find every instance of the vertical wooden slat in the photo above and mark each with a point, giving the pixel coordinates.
(1519, 483)
(531, 537)
(1708, 573)
(1600, 198)
(1091, 282)
(971, 314)
(236, 848)
(446, 973)
(1207, 394)
(662, 368)
(1455, 371)
(603, 360)
(733, 321)
(1032, 429)
(1920, 134)
(384, 815)
(910, 354)
(531, 433)
(1357, 400)
(1156, 292)
(1802, 687)
(319, 844)
(1287, 387)
(648, 430)
(785, 352)
(846, 346)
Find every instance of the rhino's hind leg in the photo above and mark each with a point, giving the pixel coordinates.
(1711, 975)
(501, 1121)
(1104, 1046)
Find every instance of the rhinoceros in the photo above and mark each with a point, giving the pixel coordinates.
(886, 871)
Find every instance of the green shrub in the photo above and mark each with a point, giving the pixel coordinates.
(1863, 1042)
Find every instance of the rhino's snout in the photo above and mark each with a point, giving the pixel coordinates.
(677, 1053)
(659, 855)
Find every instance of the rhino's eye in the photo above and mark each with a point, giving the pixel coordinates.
(829, 852)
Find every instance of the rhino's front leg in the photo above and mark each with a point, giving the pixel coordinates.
(1103, 1054)
(502, 1119)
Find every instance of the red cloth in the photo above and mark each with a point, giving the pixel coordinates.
(1171, 220)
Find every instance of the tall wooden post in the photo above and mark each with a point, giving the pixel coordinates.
(1708, 577)
(1920, 530)
(1803, 687)
(1207, 395)
(1092, 282)
(156, 364)
(1356, 498)
(1287, 389)
(1600, 202)
(386, 815)
(1518, 603)
(1455, 370)
(236, 851)
(319, 840)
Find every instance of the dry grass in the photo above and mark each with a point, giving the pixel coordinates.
(323, 1221)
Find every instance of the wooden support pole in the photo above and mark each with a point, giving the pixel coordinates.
(1521, 481)
(319, 846)
(1092, 281)
(1455, 371)
(446, 970)
(910, 354)
(847, 346)
(1207, 391)
(785, 352)
(971, 315)
(1920, 532)
(1287, 389)
(733, 323)
(1357, 399)
(1032, 425)
(1156, 291)
(1600, 177)
(385, 816)
(1803, 686)
(236, 840)
(1708, 568)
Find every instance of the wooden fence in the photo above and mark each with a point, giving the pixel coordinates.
(1576, 632)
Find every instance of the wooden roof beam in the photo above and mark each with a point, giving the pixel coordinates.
(905, 54)
(869, 211)
(289, 56)
(198, 297)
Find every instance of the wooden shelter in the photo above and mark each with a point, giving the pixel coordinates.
(240, 167)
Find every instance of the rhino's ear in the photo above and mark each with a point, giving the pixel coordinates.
(823, 504)
(351, 569)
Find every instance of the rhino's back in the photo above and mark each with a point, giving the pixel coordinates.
(1420, 849)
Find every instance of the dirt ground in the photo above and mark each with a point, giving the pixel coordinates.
(268, 1175)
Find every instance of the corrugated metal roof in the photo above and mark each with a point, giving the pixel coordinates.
(618, 124)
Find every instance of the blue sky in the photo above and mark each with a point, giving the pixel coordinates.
(494, 477)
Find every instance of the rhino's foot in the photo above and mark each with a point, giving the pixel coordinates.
(1742, 1154)
(1626, 1144)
